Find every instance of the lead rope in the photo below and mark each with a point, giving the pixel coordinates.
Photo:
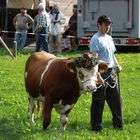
(113, 75)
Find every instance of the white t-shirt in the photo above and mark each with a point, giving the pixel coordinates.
(104, 46)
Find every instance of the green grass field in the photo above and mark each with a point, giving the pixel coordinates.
(14, 115)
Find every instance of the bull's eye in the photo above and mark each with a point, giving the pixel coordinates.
(81, 75)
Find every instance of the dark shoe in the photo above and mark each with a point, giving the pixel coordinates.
(97, 129)
(118, 128)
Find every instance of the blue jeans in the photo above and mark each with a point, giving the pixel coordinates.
(20, 38)
(41, 40)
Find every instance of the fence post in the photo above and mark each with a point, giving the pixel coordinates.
(15, 49)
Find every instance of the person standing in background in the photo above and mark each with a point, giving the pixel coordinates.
(73, 30)
(22, 23)
(41, 25)
(47, 7)
(57, 20)
(49, 10)
(103, 48)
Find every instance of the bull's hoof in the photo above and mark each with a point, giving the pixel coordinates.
(62, 128)
(32, 120)
(44, 127)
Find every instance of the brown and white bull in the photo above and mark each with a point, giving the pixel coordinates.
(57, 82)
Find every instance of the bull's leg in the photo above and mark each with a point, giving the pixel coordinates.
(47, 108)
(63, 121)
(31, 108)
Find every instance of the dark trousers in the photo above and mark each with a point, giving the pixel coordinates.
(112, 96)
(42, 40)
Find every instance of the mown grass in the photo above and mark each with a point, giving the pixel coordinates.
(14, 116)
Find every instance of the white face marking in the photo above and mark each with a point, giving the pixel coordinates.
(88, 83)
(61, 109)
(47, 67)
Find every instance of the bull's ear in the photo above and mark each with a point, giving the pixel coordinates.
(102, 66)
(70, 64)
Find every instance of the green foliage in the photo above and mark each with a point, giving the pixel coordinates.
(14, 115)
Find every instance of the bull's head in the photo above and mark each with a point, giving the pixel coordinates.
(87, 69)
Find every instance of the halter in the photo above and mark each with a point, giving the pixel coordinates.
(88, 80)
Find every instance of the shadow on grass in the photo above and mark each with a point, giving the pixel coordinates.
(17, 129)
(8, 130)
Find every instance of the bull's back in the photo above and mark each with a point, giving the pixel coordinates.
(36, 57)
(35, 66)
(51, 77)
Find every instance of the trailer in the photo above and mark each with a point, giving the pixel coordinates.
(125, 15)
